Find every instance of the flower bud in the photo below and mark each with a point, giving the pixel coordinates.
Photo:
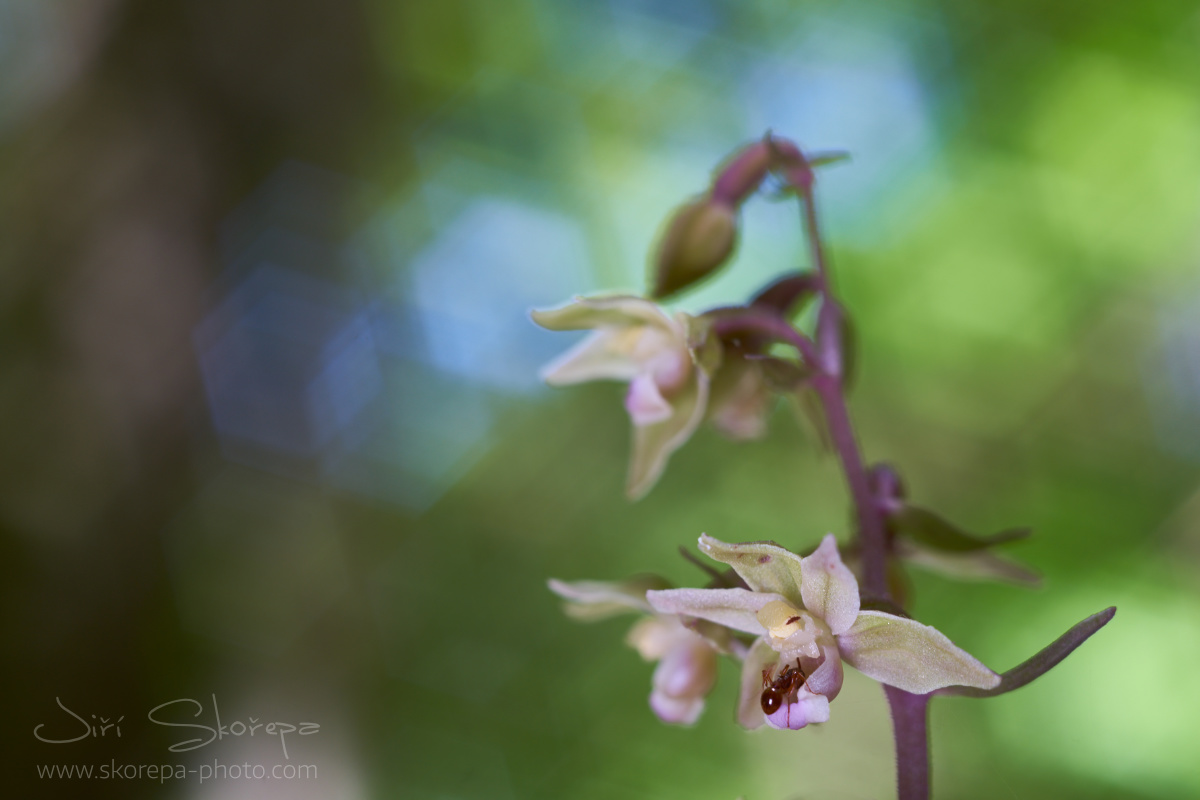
(743, 173)
(698, 240)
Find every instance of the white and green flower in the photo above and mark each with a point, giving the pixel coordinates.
(806, 613)
(687, 658)
(666, 362)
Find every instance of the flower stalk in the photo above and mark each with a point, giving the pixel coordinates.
(910, 712)
(791, 620)
(910, 716)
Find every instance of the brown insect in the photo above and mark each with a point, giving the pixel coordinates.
(783, 688)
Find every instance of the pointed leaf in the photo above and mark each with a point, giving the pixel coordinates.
(973, 565)
(764, 566)
(926, 527)
(733, 608)
(910, 656)
(1044, 661)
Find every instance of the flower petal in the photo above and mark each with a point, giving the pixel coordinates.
(654, 444)
(826, 678)
(583, 313)
(592, 600)
(676, 710)
(829, 589)
(654, 637)
(740, 400)
(910, 656)
(733, 608)
(689, 669)
(765, 567)
(806, 708)
(645, 403)
(749, 710)
(597, 357)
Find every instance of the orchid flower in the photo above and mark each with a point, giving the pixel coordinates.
(807, 616)
(740, 399)
(686, 656)
(636, 341)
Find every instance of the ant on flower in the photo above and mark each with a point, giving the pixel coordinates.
(784, 687)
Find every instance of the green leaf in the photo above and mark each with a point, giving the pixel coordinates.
(1043, 662)
(969, 565)
(927, 528)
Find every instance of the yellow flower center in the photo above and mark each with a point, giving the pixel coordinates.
(781, 619)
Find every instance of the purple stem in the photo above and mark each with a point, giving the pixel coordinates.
(870, 523)
(809, 206)
(772, 326)
(909, 711)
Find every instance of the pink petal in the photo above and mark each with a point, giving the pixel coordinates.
(674, 710)
(807, 708)
(645, 402)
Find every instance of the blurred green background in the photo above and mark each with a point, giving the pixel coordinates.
(273, 431)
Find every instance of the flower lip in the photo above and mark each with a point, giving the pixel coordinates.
(806, 708)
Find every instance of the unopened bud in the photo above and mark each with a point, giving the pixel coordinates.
(698, 240)
(743, 173)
